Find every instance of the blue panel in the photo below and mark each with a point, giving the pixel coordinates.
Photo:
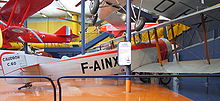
(198, 88)
(75, 50)
(64, 50)
(97, 40)
(198, 52)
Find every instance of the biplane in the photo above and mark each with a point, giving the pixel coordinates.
(12, 17)
(147, 57)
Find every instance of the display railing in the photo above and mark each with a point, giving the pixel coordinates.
(130, 76)
(40, 77)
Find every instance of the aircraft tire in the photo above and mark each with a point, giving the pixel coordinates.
(145, 80)
(139, 24)
(94, 6)
(165, 80)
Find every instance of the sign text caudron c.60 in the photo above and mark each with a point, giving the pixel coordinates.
(11, 60)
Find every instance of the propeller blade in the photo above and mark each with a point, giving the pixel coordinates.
(69, 20)
(72, 12)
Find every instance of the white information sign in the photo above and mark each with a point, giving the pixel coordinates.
(124, 53)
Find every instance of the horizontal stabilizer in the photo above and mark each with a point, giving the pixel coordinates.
(195, 66)
(65, 31)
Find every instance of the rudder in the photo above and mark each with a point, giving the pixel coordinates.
(65, 31)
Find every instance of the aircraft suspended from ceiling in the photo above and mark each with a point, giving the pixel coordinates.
(12, 17)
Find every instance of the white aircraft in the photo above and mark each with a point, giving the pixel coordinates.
(104, 62)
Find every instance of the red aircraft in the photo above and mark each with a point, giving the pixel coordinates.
(12, 17)
(118, 30)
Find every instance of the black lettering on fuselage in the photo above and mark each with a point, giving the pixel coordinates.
(103, 65)
(11, 64)
(96, 66)
(100, 64)
(84, 67)
(108, 62)
(11, 58)
(116, 61)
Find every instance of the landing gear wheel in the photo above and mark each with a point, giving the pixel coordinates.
(165, 80)
(139, 24)
(145, 80)
(94, 6)
(94, 19)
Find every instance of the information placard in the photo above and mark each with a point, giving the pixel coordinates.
(124, 53)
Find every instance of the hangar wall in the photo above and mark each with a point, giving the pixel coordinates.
(51, 25)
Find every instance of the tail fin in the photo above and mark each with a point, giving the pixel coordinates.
(65, 31)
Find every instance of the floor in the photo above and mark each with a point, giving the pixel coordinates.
(179, 89)
(90, 90)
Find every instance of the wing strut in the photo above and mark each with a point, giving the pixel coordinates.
(12, 13)
(205, 38)
(174, 42)
(158, 47)
(148, 34)
(25, 15)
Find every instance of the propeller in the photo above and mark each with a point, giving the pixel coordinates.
(72, 12)
(68, 20)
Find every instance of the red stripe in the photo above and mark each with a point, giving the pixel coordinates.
(21, 68)
(134, 47)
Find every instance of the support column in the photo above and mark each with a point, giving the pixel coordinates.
(83, 26)
(158, 47)
(205, 38)
(174, 43)
(75, 25)
(128, 38)
(26, 48)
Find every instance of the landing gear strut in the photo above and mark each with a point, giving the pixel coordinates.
(27, 85)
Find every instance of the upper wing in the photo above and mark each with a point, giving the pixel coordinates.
(195, 66)
(174, 8)
(22, 7)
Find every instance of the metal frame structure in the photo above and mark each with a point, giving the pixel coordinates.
(168, 23)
